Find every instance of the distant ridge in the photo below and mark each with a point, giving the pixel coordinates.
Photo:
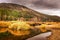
(21, 8)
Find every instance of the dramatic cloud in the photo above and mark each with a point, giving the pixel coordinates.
(45, 4)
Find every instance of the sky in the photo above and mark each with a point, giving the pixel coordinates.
(50, 7)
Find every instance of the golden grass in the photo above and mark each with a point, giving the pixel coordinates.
(24, 25)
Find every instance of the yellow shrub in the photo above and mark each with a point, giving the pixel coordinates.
(19, 28)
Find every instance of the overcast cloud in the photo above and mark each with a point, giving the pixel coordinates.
(51, 7)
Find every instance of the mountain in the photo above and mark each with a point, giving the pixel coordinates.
(10, 11)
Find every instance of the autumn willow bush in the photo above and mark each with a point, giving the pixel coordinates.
(13, 14)
(8, 14)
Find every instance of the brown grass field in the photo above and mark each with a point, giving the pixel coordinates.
(54, 27)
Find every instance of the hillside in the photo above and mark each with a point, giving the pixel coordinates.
(9, 11)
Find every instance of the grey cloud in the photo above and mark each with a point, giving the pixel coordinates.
(47, 3)
(42, 4)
